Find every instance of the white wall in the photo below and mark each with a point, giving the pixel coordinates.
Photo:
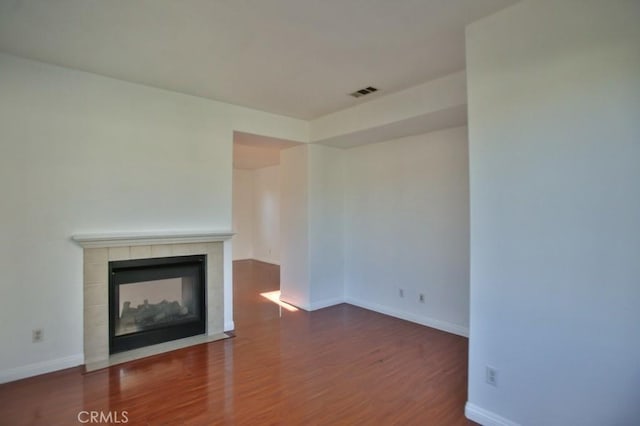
(312, 224)
(554, 108)
(407, 226)
(326, 226)
(243, 209)
(266, 214)
(256, 214)
(271, 125)
(81, 153)
(294, 233)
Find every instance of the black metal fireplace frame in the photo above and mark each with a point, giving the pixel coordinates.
(122, 272)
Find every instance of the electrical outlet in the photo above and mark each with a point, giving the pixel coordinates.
(37, 335)
(401, 292)
(491, 376)
(421, 298)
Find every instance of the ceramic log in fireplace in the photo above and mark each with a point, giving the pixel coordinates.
(156, 300)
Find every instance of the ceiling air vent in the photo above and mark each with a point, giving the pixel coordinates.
(363, 92)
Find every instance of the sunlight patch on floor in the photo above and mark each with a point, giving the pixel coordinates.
(274, 296)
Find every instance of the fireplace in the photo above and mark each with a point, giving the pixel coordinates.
(102, 251)
(156, 300)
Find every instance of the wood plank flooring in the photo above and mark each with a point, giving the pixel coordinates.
(337, 366)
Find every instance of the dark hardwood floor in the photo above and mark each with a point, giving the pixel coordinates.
(337, 366)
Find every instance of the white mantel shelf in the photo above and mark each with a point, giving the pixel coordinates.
(150, 238)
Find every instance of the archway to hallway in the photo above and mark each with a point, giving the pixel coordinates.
(256, 222)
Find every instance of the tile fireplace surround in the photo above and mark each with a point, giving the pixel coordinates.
(100, 249)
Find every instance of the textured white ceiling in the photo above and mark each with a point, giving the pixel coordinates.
(293, 57)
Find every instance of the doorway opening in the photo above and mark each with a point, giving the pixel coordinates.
(256, 223)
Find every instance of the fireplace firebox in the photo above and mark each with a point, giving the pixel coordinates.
(156, 300)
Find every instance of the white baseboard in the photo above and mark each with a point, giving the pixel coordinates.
(314, 306)
(485, 417)
(326, 303)
(419, 319)
(297, 303)
(43, 367)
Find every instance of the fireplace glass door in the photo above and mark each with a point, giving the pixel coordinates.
(155, 300)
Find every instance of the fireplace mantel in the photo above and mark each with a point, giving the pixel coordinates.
(117, 239)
